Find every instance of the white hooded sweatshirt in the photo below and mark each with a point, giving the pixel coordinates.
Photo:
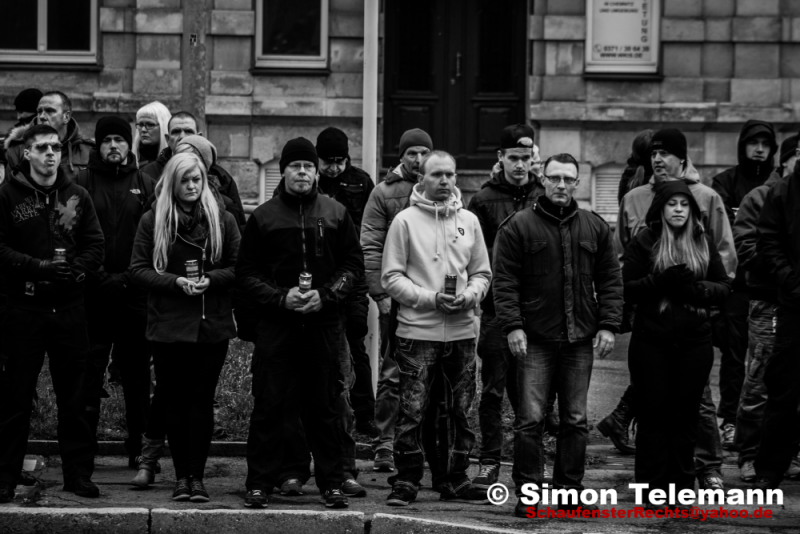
(427, 241)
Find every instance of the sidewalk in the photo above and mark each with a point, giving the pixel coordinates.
(122, 509)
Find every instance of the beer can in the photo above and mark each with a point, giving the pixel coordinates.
(60, 254)
(450, 281)
(305, 282)
(192, 271)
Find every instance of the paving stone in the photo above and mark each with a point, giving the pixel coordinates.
(63, 521)
(255, 521)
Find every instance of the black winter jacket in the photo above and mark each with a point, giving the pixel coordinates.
(288, 235)
(559, 280)
(778, 243)
(496, 201)
(761, 284)
(351, 189)
(34, 222)
(75, 149)
(172, 315)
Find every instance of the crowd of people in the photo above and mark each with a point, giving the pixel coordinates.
(134, 247)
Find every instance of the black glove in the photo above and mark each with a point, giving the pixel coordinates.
(690, 293)
(673, 276)
(54, 271)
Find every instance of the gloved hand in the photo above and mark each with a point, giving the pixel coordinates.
(673, 276)
(690, 293)
(55, 271)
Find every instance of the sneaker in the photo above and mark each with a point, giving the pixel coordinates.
(488, 475)
(521, 509)
(83, 486)
(183, 490)
(401, 495)
(547, 473)
(351, 488)
(6, 492)
(615, 427)
(199, 493)
(793, 472)
(384, 461)
(368, 428)
(469, 494)
(747, 472)
(728, 435)
(256, 499)
(712, 482)
(292, 488)
(334, 498)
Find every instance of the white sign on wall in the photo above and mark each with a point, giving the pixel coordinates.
(622, 36)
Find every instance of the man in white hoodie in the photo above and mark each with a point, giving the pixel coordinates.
(436, 266)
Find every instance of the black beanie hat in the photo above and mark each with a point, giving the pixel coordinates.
(788, 148)
(28, 100)
(298, 149)
(113, 126)
(332, 143)
(671, 140)
(517, 136)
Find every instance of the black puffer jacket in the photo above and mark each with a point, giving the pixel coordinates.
(351, 189)
(778, 243)
(34, 222)
(556, 274)
(288, 235)
(496, 201)
(676, 323)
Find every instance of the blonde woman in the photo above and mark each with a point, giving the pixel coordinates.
(149, 138)
(673, 274)
(184, 256)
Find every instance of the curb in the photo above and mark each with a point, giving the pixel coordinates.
(255, 521)
(65, 520)
(397, 524)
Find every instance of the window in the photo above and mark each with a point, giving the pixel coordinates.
(292, 34)
(48, 31)
(604, 192)
(622, 37)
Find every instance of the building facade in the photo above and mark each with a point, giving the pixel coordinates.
(264, 71)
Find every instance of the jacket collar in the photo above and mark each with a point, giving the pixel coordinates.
(296, 201)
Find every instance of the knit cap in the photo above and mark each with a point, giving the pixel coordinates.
(298, 149)
(332, 143)
(204, 148)
(415, 137)
(28, 100)
(113, 126)
(670, 140)
(788, 148)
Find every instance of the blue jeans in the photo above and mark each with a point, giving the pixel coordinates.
(421, 364)
(498, 375)
(708, 449)
(571, 366)
(387, 397)
(750, 417)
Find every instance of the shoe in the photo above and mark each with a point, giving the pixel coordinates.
(764, 483)
(256, 499)
(615, 427)
(488, 475)
(368, 428)
(728, 435)
(793, 473)
(135, 462)
(712, 482)
(199, 493)
(6, 492)
(747, 472)
(521, 509)
(334, 498)
(401, 495)
(468, 494)
(183, 490)
(547, 473)
(143, 478)
(152, 451)
(82, 486)
(384, 461)
(292, 488)
(351, 488)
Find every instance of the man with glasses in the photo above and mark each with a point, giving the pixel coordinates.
(298, 259)
(513, 186)
(55, 110)
(558, 299)
(50, 241)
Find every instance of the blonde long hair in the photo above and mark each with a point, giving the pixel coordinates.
(687, 245)
(167, 216)
(159, 113)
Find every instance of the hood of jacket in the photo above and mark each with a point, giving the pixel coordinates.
(444, 210)
(21, 176)
(398, 174)
(97, 164)
(751, 129)
(690, 175)
(15, 135)
(663, 192)
(497, 180)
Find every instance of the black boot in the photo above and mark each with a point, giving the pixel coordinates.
(615, 427)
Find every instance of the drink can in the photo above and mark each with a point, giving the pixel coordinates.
(450, 281)
(193, 271)
(305, 282)
(60, 254)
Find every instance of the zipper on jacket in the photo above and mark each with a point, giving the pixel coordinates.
(303, 235)
(320, 236)
(339, 283)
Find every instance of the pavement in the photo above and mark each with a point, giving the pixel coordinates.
(122, 508)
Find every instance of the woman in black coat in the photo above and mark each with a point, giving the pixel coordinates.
(189, 319)
(673, 274)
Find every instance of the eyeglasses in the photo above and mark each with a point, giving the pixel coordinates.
(42, 147)
(146, 125)
(297, 167)
(568, 180)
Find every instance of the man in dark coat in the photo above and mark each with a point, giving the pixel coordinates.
(42, 211)
(512, 187)
(558, 298)
(756, 151)
(115, 308)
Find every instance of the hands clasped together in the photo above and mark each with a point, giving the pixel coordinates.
(193, 288)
